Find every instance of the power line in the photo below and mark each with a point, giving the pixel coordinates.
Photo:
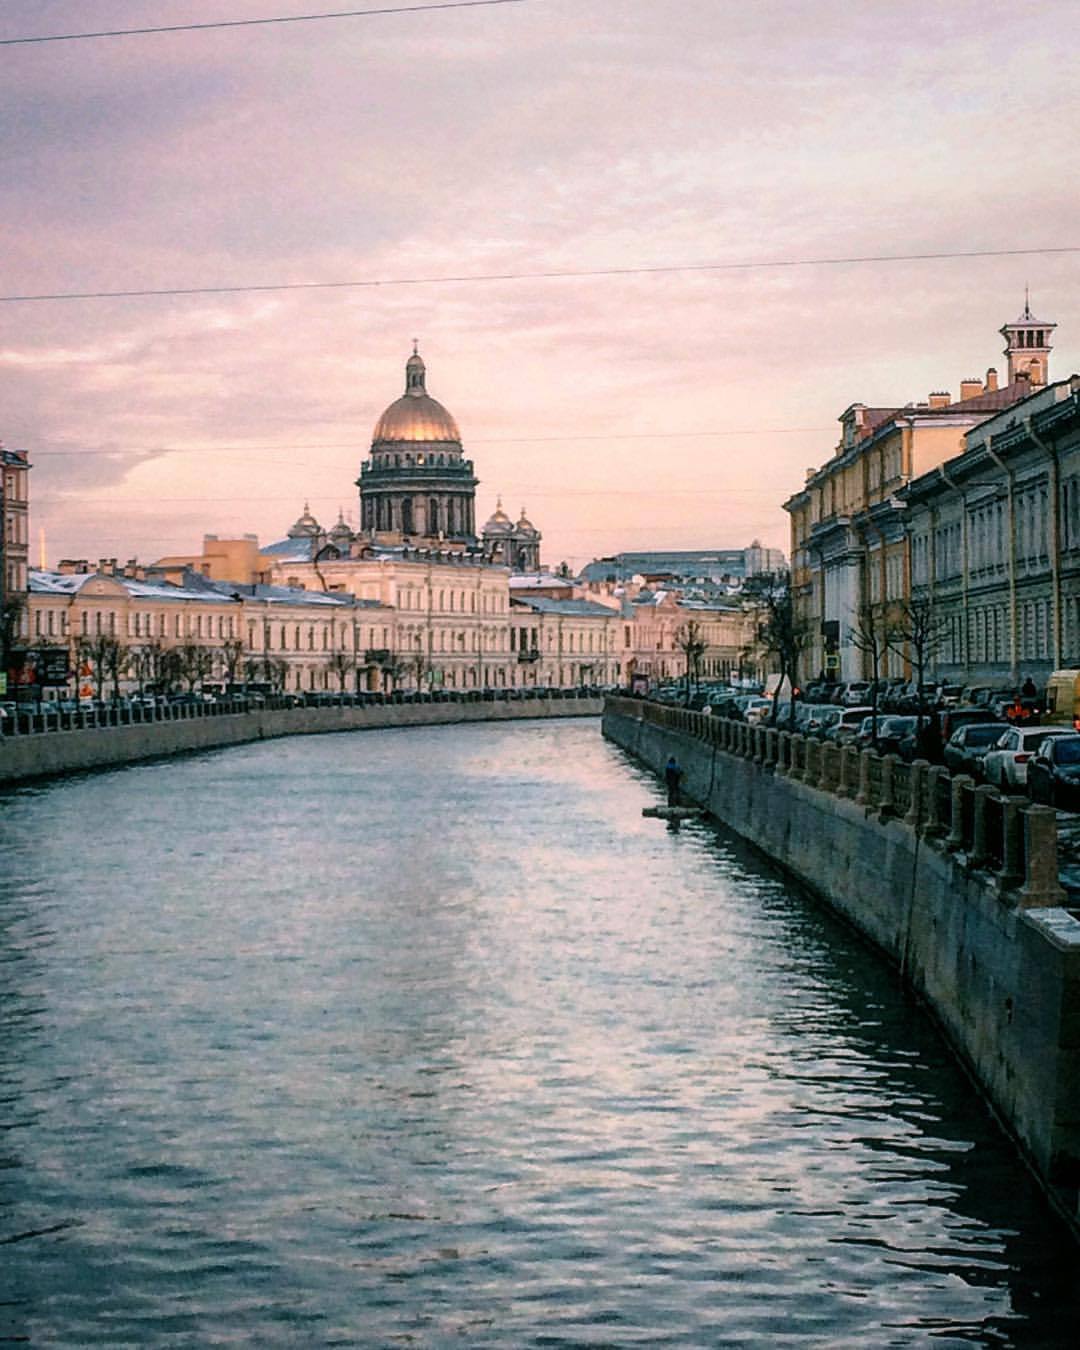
(473, 440)
(554, 275)
(254, 23)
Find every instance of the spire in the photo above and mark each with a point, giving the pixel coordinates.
(1027, 301)
(414, 372)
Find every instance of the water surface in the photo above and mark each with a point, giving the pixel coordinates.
(426, 1038)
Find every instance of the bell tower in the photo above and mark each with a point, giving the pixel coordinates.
(1027, 346)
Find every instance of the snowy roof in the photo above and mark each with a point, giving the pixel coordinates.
(542, 604)
(538, 580)
(196, 588)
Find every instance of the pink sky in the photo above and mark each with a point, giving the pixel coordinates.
(673, 410)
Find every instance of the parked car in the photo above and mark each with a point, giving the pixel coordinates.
(1005, 764)
(757, 709)
(856, 693)
(844, 727)
(891, 730)
(950, 720)
(965, 748)
(1054, 772)
(822, 717)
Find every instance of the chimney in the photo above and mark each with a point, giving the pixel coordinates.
(991, 380)
(971, 388)
(940, 399)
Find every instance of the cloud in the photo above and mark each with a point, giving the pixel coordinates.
(536, 137)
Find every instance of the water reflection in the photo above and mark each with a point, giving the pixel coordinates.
(429, 1036)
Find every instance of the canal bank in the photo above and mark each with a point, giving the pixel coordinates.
(963, 900)
(44, 754)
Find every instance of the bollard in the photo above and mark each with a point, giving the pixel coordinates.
(933, 826)
(848, 773)
(1041, 886)
(919, 770)
(955, 838)
(863, 796)
(979, 851)
(886, 804)
(771, 743)
(812, 771)
(1012, 829)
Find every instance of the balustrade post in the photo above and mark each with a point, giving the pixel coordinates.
(770, 748)
(848, 779)
(797, 769)
(864, 796)
(1012, 845)
(960, 784)
(934, 826)
(886, 802)
(919, 770)
(1041, 887)
(759, 745)
(812, 771)
(979, 841)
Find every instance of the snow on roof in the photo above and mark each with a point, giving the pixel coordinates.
(537, 580)
(543, 604)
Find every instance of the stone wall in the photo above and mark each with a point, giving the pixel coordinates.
(55, 752)
(961, 894)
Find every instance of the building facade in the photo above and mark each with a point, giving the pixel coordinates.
(995, 544)
(850, 556)
(226, 633)
(14, 556)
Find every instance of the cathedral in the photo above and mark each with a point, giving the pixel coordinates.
(418, 491)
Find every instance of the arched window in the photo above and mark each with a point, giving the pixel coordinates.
(406, 515)
(433, 516)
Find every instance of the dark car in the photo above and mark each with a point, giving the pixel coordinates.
(952, 719)
(965, 748)
(1053, 776)
(891, 731)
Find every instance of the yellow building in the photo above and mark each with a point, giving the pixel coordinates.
(849, 548)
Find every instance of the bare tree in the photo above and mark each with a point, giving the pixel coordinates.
(690, 641)
(870, 635)
(232, 657)
(916, 632)
(194, 663)
(106, 657)
(340, 665)
(781, 634)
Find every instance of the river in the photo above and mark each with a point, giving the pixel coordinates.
(425, 1037)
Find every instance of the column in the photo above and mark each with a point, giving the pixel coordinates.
(1041, 886)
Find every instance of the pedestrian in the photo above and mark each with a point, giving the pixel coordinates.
(672, 777)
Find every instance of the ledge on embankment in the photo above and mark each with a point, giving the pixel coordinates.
(957, 885)
(45, 754)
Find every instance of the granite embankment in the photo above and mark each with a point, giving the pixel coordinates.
(957, 885)
(45, 753)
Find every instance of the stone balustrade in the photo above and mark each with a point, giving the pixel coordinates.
(1015, 842)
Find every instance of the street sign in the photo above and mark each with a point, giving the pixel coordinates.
(3, 681)
(832, 661)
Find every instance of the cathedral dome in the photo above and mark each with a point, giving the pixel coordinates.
(416, 416)
(499, 522)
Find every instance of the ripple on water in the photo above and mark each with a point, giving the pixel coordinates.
(428, 1038)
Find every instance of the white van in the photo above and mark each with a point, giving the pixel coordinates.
(1063, 700)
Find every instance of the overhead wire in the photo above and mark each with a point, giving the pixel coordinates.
(253, 23)
(555, 274)
(222, 450)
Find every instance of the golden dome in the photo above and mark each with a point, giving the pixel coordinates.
(416, 416)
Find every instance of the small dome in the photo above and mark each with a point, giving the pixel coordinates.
(341, 534)
(307, 527)
(525, 525)
(416, 416)
(500, 522)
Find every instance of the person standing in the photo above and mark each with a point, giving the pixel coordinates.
(672, 777)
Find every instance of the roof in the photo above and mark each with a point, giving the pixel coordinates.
(586, 609)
